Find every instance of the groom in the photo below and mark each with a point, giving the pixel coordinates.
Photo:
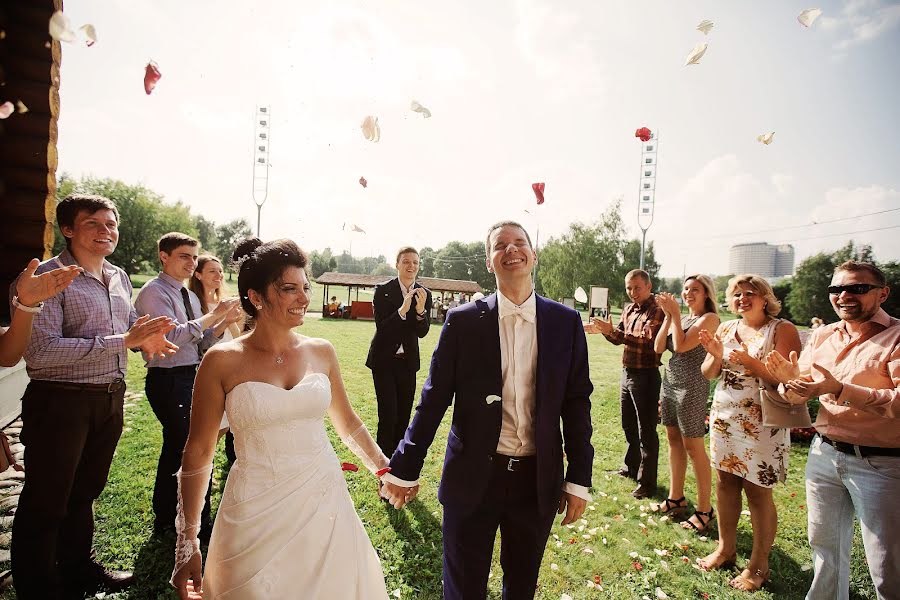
(516, 364)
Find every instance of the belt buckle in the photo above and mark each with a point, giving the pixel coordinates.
(510, 466)
(115, 385)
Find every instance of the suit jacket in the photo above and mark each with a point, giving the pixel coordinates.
(391, 331)
(466, 366)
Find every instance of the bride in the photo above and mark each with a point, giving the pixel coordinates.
(286, 526)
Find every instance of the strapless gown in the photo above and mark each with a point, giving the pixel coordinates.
(286, 526)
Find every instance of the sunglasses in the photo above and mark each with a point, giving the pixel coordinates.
(857, 289)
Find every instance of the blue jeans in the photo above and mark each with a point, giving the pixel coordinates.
(839, 486)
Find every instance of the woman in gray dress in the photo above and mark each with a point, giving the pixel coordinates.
(684, 396)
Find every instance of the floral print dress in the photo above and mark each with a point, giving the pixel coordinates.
(739, 443)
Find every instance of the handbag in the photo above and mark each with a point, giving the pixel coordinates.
(776, 411)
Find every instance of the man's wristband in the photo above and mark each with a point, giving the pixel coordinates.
(25, 308)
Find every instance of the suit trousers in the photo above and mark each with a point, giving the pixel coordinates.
(639, 404)
(510, 503)
(169, 392)
(70, 436)
(395, 387)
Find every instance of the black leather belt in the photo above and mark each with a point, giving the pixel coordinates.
(116, 385)
(860, 451)
(514, 464)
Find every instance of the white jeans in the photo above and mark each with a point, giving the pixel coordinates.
(839, 486)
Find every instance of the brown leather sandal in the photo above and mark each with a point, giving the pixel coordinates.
(749, 581)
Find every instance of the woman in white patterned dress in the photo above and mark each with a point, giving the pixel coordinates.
(747, 456)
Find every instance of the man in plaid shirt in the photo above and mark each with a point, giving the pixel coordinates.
(641, 380)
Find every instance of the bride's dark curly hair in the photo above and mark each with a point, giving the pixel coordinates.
(261, 264)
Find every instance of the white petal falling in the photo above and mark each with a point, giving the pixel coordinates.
(705, 26)
(766, 138)
(809, 16)
(21, 108)
(6, 109)
(88, 34)
(371, 130)
(416, 107)
(696, 54)
(61, 27)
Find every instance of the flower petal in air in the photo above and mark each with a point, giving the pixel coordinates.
(538, 189)
(705, 26)
(6, 109)
(363, 182)
(21, 108)
(809, 16)
(61, 27)
(644, 134)
(696, 54)
(766, 138)
(151, 76)
(416, 107)
(89, 34)
(370, 128)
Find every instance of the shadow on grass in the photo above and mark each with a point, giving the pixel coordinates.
(153, 568)
(417, 528)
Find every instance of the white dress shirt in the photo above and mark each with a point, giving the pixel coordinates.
(518, 363)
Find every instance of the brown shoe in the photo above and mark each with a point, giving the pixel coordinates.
(641, 492)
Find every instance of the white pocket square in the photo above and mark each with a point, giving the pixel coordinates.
(492, 398)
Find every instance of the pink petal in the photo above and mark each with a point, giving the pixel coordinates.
(151, 76)
(6, 109)
(538, 189)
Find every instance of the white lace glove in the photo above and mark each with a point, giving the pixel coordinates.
(192, 487)
(361, 444)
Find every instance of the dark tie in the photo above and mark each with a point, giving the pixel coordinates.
(187, 303)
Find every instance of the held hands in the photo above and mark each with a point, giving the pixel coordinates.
(596, 325)
(712, 344)
(398, 495)
(572, 506)
(150, 336)
(781, 368)
(32, 289)
(188, 581)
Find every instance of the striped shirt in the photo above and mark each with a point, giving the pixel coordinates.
(79, 336)
(162, 297)
(637, 331)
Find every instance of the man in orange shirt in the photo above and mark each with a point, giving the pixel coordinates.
(853, 366)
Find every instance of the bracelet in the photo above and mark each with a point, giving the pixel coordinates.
(383, 471)
(25, 308)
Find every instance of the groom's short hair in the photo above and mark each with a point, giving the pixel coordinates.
(498, 225)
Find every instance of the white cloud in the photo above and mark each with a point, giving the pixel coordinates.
(862, 21)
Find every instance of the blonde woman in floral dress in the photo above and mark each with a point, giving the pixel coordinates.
(747, 456)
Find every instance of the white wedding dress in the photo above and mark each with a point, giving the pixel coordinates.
(286, 526)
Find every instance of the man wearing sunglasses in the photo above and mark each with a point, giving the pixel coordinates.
(853, 366)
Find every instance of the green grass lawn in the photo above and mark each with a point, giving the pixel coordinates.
(409, 542)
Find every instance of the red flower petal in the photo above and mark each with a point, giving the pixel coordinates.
(363, 182)
(349, 467)
(638, 566)
(538, 192)
(151, 76)
(644, 134)
(598, 580)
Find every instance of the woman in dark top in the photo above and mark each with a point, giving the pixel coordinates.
(684, 396)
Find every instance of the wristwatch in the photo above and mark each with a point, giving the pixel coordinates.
(26, 308)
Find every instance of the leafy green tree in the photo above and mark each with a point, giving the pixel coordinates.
(808, 296)
(892, 274)
(782, 289)
(206, 233)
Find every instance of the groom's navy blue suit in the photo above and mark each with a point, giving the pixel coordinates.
(466, 371)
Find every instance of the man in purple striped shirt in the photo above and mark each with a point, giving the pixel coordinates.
(72, 407)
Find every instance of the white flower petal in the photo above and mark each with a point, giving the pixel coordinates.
(765, 138)
(88, 33)
(809, 16)
(415, 106)
(565, 597)
(554, 567)
(396, 593)
(633, 554)
(705, 26)
(370, 128)
(21, 108)
(61, 27)
(696, 54)
(661, 595)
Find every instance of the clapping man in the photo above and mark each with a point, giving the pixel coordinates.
(853, 367)
(72, 410)
(170, 383)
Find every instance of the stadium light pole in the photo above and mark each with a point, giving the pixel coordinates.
(261, 137)
(647, 188)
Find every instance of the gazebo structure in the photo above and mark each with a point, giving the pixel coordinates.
(29, 74)
(361, 309)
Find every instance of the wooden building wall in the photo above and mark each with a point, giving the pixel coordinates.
(29, 71)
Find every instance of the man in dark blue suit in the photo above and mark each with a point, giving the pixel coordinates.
(516, 364)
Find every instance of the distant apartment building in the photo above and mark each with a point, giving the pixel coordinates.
(762, 259)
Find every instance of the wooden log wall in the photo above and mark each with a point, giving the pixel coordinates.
(29, 72)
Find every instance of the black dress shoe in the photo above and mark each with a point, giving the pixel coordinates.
(641, 492)
(624, 473)
(94, 577)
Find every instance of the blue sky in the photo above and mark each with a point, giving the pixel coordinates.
(520, 91)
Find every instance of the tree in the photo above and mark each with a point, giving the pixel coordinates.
(892, 273)
(808, 297)
(206, 233)
(465, 261)
(782, 289)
